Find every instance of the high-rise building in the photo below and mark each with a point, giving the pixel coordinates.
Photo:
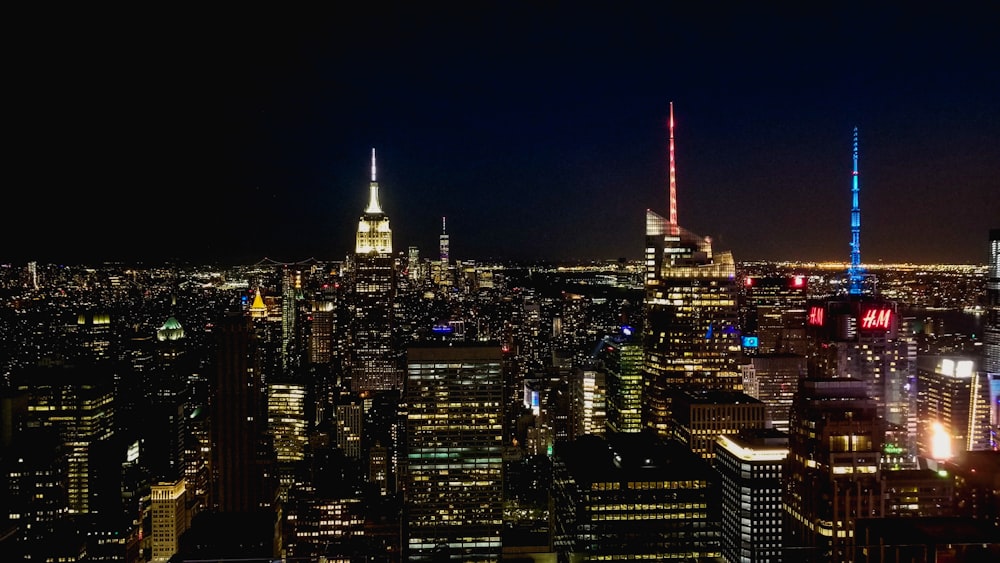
(443, 243)
(414, 268)
(953, 406)
(323, 325)
(240, 469)
(378, 468)
(832, 473)
(169, 518)
(291, 296)
(917, 493)
(374, 356)
(287, 420)
(349, 418)
(588, 401)
(859, 337)
(700, 417)
(78, 403)
(690, 336)
(452, 484)
(625, 389)
(773, 379)
(750, 464)
(34, 474)
(991, 336)
(631, 497)
(774, 314)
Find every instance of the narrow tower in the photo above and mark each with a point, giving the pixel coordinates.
(443, 241)
(855, 273)
(674, 229)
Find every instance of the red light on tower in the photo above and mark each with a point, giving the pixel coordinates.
(748, 281)
(798, 281)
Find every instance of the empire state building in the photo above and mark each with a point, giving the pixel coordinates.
(372, 352)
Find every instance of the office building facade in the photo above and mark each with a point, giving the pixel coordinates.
(452, 482)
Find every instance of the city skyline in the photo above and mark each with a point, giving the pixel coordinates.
(538, 131)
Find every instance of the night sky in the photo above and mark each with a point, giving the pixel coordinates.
(537, 128)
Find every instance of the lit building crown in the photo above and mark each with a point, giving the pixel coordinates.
(374, 233)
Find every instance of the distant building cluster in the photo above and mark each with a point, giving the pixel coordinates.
(386, 407)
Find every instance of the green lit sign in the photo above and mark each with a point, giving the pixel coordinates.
(893, 449)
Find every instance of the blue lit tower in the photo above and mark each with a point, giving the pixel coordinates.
(855, 273)
(859, 335)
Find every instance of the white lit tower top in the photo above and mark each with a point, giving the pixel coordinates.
(374, 234)
(443, 241)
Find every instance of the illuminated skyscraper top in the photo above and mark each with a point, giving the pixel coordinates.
(690, 337)
(373, 357)
(855, 273)
(374, 234)
(443, 246)
(991, 342)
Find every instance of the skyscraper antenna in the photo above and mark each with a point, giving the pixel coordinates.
(855, 271)
(673, 177)
(373, 204)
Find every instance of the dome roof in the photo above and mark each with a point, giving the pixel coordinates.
(171, 330)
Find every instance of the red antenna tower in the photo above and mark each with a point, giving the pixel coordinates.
(674, 230)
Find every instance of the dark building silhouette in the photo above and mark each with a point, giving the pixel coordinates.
(633, 496)
(832, 474)
(240, 467)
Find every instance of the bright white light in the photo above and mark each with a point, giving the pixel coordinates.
(940, 442)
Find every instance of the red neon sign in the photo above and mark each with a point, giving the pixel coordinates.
(816, 316)
(876, 318)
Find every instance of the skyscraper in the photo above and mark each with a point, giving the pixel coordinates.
(443, 242)
(633, 497)
(588, 401)
(374, 357)
(831, 476)
(750, 464)
(238, 421)
(452, 486)
(77, 402)
(857, 334)
(774, 315)
(625, 389)
(991, 340)
(169, 518)
(953, 406)
(690, 335)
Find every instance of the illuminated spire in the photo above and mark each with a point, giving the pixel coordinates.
(855, 271)
(373, 205)
(673, 178)
(258, 310)
(443, 241)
